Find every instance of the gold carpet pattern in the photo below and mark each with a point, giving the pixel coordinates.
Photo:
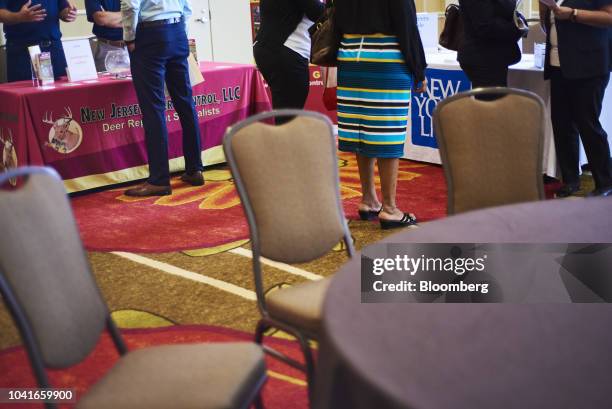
(149, 293)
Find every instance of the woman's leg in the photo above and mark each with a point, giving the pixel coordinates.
(387, 168)
(369, 199)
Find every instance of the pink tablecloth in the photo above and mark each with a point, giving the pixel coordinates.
(92, 134)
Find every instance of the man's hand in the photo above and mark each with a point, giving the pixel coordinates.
(563, 13)
(421, 87)
(33, 14)
(69, 14)
(105, 18)
(131, 46)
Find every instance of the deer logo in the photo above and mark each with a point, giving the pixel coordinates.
(66, 134)
(8, 158)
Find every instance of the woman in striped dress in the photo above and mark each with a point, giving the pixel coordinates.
(380, 62)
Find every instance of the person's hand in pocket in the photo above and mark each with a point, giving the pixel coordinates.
(421, 87)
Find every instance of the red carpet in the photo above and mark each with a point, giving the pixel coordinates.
(278, 392)
(208, 216)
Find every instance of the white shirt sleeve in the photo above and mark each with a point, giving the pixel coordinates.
(129, 18)
(187, 11)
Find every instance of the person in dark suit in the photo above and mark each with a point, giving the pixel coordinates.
(490, 42)
(578, 64)
(156, 37)
(282, 49)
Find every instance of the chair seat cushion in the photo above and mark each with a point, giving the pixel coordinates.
(300, 305)
(202, 376)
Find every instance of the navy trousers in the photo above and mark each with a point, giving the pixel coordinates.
(19, 67)
(161, 57)
(287, 74)
(575, 109)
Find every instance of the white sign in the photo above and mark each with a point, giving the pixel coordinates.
(428, 29)
(79, 60)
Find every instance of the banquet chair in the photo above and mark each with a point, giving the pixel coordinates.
(491, 150)
(47, 284)
(288, 181)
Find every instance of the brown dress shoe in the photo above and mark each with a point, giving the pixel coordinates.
(147, 189)
(194, 179)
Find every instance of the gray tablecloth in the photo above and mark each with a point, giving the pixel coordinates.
(489, 356)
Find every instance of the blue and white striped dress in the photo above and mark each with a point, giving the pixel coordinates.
(374, 92)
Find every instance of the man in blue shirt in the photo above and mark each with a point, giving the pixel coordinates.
(155, 34)
(106, 16)
(34, 22)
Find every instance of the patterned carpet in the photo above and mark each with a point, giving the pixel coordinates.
(209, 216)
(285, 387)
(178, 269)
(186, 277)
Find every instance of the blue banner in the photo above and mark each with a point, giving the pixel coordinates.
(441, 84)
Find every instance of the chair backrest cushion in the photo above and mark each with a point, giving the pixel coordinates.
(491, 150)
(290, 177)
(43, 261)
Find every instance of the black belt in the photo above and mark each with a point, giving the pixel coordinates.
(156, 23)
(43, 44)
(114, 43)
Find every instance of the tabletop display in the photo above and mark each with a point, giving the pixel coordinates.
(91, 132)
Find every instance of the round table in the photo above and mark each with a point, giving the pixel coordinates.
(443, 356)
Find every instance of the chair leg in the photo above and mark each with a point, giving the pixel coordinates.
(258, 403)
(259, 332)
(261, 328)
(310, 366)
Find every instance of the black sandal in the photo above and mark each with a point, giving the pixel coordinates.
(409, 219)
(369, 214)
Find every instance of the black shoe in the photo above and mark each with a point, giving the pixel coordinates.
(406, 221)
(567, 190)
(194, 179)
(369, 214)
(586, 169)
(549, 180)
(601, 192)
(147, 189)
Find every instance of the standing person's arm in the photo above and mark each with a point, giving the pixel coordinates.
(313, 9)
(404, 23)
(187, 10)
(68, 11)
(97, 14)
(602, 17)
(110, 19)
(129, 20)
(27, 14)
(486, 22)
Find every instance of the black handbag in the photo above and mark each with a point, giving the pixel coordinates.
(521, 23)
(452, 33)
(325, 40)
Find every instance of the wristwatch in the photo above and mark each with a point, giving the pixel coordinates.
(574, 15)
